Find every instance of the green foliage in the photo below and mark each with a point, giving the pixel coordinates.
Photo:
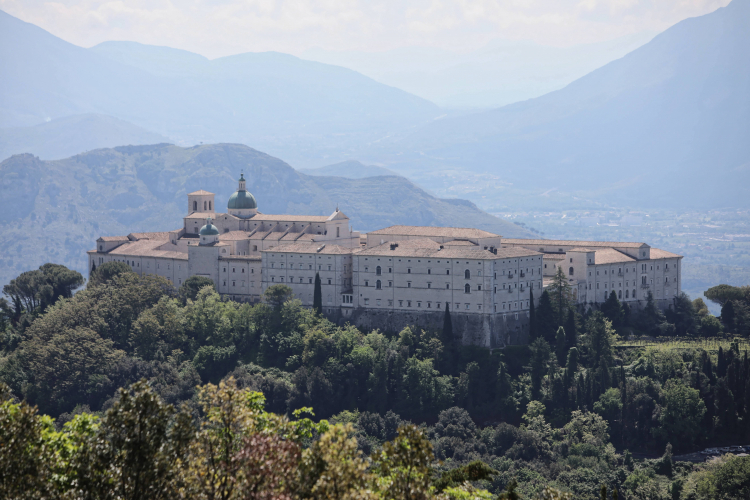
(612, 309)
(190, 288)
(37, 290)
(107, 271)
(721, 294)
(682, 413)
(561, 295)
(546, 322)
(581, 400)
(317, 296)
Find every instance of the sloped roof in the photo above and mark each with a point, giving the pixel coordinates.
(199, 192)
(426, 231)
(611, 256)
(658, 253)
(577, 243)
(425, 247)
(315, 248)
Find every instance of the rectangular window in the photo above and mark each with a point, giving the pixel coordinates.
(408, 284)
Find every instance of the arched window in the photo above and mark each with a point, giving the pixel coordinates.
(378, 285)
(619, 294)
(467, 275)
(627, 294)
(205, 206)
(570, 271)
(633, 293)
(195, 206)
(378, 271)
(467, 287)
(209, 205)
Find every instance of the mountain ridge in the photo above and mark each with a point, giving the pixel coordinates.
(56, 209)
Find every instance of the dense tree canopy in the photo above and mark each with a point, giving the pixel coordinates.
(556, 413)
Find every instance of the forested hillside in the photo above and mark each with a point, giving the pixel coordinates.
(561, 413)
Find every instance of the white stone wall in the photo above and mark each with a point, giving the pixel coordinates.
(499, 285)
(298, 270)
(174, 269)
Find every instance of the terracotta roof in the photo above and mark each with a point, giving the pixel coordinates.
(199, 192)
(447, 232)
(290, 218)
(203, 215)
(554, 256)
(425, 247)
(578, 244)
(658, 253)
(234, 236)
(113, 238)
(157, 236)
(147, 248)
(611, 256)
(319, 248)
(240, 257)
(458, 243)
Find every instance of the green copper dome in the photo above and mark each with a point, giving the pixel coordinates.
(209, 229)
(242, 199)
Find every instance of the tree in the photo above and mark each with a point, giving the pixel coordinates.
(727, 315)
(571, 330)
(599, 337)
(562, 296)
(572, 364)
(26, 460)
(473, 471)
(449, 355)
(40, 288)
(710, 326)
(318, 296)
(612, 309)
(404, 463)
(546, 325)
(107, 271)
(540, 355)
(277, 295)
(681, 415)
(721, 294)
(533, 333)
(190, 288)
(333, 468)
(560, 348)
(682, 314)
(69, 368)
(135, 453)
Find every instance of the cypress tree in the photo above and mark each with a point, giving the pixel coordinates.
(571, 332)
(572, 365)
(727, 315)
(533, 334)
(449, 354)
(318, 296)
(546, 326)
(721, 364)
(560, 349)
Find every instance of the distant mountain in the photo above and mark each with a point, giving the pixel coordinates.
(70, 135)
(500, 73)
(668, 125)
(274, 101)
(54, 210)
(351, 169)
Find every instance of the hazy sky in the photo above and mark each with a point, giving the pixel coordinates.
(222, 27)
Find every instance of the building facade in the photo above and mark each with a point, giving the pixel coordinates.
(392, 277)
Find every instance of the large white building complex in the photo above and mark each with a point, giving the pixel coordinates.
(391, 277)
